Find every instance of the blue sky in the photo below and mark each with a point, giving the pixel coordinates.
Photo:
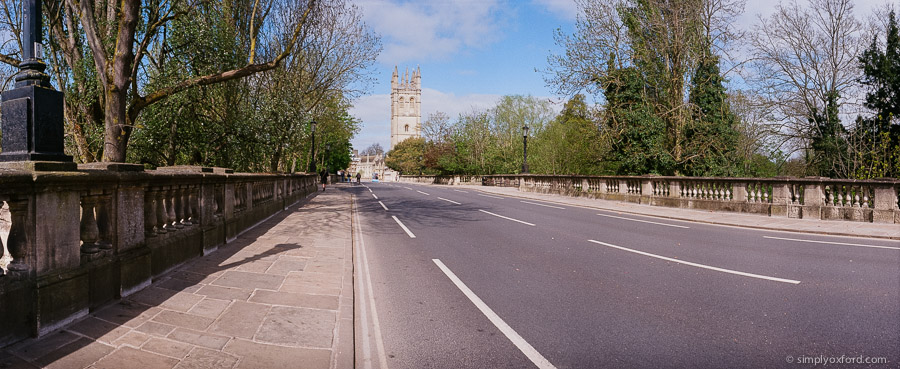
(471, 52)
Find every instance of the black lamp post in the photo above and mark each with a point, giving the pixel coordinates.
(32, 122)
(325, 159)
(312, 162)
(525, 149)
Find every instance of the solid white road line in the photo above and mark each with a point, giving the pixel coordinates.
(382, 205)
(426, 194)
(834, 243)
(450, 201)
(411, 235)
(493, 197)
(549, 206)
(507, 218)
(368, 303)
(460, 191)
(776, 279)
(511, 334)
(376, 197)
(644, 221)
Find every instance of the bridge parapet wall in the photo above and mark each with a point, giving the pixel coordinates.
(808, 197)
(74, 241)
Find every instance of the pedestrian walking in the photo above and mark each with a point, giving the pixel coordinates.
(358, 176)
(324, 176)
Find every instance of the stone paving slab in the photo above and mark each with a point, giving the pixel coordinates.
(276, 297)
(828, 227)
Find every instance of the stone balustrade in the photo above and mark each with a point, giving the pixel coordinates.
(808, 197)
(73, 241)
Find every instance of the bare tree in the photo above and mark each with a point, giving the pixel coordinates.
(803, 54)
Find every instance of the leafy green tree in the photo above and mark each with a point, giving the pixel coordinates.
(407, 157)
(711, 136)
(828, 147)
(570, 144)
(636, 134)
(880, 134)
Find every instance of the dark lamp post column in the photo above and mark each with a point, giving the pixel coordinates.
(32, 121)
(525, 149)
(312, 161)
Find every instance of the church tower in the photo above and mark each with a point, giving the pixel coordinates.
(406, 109)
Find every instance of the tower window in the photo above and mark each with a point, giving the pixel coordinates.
(406, 128)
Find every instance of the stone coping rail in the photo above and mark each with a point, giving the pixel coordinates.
(876, 201)
(74, 241)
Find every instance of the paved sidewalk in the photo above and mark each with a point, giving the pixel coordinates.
(279, 296)
(829, 227)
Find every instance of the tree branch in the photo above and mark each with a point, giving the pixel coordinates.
(139, 103)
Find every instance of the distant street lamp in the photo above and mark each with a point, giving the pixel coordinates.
(525, 149)
(312, 162)
(325, 159)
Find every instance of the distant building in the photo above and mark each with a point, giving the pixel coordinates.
(406, 106)
(406, 122)
(367, 165)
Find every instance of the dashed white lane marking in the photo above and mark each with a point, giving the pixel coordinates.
(833, 243)
(507, 218)
(545, 205)
(510, 333)
(493, 197)
(644, 221)
(370, 190)
(745, 274)
(411, 235)
(407, 188)
(376, 197)
(382, 205)
(426, 194)
(450, 201)
(461, 191)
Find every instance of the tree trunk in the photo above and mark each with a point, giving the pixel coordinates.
(117, 130)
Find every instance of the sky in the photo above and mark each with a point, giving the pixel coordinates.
(471, 52)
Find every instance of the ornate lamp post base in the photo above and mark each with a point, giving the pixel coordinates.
(32, 125)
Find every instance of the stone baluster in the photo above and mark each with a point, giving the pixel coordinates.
(829, 197)
(159, 197)
(178, 199)
(194, 198)
(89, 232)
(170, 209)
(149, 215)
(219, 199)
(186, 203)
(104, 223)
(17, 241)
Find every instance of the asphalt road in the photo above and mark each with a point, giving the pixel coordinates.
(568, 287)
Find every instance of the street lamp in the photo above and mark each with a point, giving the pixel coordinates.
(32, 121)
(325, 159)
(525, 149)
(312, 162)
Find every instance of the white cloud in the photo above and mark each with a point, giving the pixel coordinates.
(565, 9)
(756, 8)
(432, 29)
